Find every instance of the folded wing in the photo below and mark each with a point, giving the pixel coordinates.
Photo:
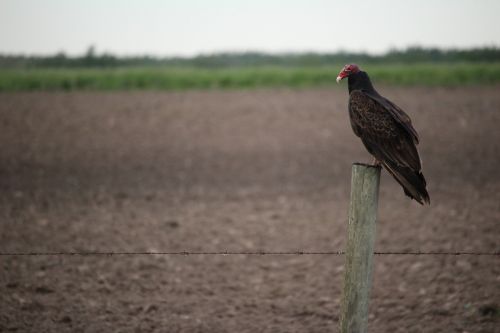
(387, 133)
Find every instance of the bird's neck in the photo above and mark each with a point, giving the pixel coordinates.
(360, 81)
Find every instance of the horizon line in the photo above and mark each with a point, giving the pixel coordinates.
(103, 52)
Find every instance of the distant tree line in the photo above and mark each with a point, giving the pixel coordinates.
(249, 59)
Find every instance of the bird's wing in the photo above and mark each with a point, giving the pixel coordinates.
(382, 133)
(397, 113)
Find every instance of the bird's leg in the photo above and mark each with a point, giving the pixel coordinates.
(376, 162)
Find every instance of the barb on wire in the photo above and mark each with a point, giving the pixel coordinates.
(248, 253)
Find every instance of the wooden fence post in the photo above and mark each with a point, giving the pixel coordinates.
(360, 244)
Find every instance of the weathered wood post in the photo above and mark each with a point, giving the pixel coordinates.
(360, 243)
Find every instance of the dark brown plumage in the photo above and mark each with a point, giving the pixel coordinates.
(386, 132)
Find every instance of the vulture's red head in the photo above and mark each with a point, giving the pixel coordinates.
(346, 71)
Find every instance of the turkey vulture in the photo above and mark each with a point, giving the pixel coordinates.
(386, 131)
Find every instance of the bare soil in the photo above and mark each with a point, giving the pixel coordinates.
(265, 170)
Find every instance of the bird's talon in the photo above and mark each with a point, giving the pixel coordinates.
(376, 162)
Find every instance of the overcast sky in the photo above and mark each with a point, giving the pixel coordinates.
(188, 27)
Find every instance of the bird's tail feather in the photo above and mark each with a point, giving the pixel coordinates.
(412, 182)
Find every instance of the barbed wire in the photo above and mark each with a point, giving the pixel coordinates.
(249, 253)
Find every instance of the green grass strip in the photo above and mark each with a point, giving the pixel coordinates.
(167, 78)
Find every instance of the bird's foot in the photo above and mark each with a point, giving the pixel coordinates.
(376, 162)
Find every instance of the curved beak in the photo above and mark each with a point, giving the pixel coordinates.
(342, 75)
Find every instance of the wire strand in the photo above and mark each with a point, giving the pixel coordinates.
(249, 253)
